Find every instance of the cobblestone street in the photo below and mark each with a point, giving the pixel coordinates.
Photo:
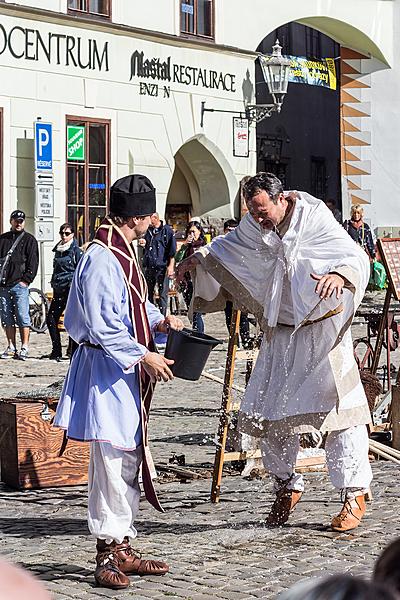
(219, 551)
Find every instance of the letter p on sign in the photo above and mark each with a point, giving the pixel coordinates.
(43, 146)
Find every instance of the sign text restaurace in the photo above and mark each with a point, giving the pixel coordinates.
(166, 71)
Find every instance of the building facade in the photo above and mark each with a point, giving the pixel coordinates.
(122, 84)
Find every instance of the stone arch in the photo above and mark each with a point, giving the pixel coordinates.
(203, 179)
(366, 27)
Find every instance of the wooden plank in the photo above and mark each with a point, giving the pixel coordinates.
(395, 415)
(231, 456)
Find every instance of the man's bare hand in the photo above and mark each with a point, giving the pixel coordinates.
(156, 366)
(189, 264)
(328, 284)
(170, 322)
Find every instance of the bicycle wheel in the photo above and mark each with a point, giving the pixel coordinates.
(38, 307)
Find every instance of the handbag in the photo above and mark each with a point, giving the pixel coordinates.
(6, 259)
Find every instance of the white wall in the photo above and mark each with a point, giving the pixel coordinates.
(385, 147)
(157, 15)
(54, 5)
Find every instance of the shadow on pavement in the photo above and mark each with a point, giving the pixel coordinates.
(38, 527)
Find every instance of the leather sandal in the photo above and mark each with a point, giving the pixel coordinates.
(108, 574)
(351, 514)
(130, 562)
(285, 503)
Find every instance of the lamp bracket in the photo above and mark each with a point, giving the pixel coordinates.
(204, 110)
(259, 112)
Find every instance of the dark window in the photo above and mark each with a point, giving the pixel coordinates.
(318, 177)
(197, 17)
(99, 8)
(88, 179)
(313, 42)
(283, 34)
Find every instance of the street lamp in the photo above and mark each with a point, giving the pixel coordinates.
(275, 69)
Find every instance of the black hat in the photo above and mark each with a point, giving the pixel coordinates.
(17, 214)
(133, 196)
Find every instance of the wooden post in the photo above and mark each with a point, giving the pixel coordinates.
(395, 413)
(225, 406)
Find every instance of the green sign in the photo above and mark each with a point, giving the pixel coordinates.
(75, 142)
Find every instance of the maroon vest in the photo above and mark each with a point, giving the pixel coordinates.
(111, 237)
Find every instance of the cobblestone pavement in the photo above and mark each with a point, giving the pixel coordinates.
(219, 551)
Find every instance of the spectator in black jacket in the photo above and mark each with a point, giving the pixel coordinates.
(158, 259)
(20, 261)
(66, 257)
(360, 231)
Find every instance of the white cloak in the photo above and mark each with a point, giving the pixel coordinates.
(305, 376)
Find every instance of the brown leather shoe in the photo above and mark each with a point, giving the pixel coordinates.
(285, 503)
(130, 562)
(108, 573)
(351, 514)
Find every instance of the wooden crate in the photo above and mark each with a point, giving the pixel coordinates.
(29, 447)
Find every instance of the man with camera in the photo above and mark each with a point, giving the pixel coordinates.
(19, 261)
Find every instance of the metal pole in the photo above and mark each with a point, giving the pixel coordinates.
(42, 267)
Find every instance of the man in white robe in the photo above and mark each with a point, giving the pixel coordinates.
(290, 265)
(107, 391)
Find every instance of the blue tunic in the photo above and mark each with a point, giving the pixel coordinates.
(100, 399)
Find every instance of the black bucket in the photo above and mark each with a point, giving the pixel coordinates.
(190, 351)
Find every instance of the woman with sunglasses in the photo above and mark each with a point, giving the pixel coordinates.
(66, 257)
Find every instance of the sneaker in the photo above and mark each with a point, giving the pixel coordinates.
(9, 353)
(23, 355)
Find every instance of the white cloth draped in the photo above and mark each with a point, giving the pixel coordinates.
(271, 278)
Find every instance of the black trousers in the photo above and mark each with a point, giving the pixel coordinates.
(244, 326)
(157, 277)
(57, 307)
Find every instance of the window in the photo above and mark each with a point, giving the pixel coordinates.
(283, 34)
(318, 177)
(197, 18)
(88, 174)
(313, 43)
(100, 8)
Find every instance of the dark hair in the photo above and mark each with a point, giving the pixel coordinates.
(66, 226)
(387, 568)
(230, 223)
(198, 226)
(338, 587)
(263, 181)
(117, 219)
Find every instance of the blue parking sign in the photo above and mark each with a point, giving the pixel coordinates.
(43, 146)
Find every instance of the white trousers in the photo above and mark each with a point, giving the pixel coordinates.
(346, 458)
(114, 491)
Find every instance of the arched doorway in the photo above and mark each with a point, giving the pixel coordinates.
(203, 185)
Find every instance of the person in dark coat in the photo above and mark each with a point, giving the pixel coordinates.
(19, 260)
(359, 231)
(66, 257)
(194, 239)
(159, 246)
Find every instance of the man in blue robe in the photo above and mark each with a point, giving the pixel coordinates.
(107, 392)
